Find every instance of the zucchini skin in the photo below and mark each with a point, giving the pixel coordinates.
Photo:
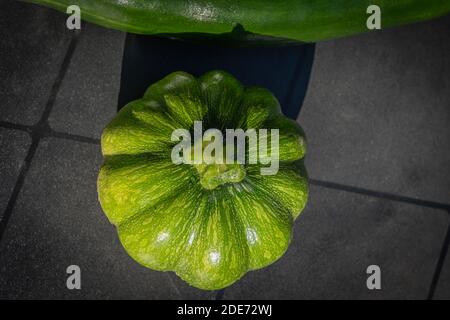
(297, 20)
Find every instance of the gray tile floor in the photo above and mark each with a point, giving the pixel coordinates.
(377, 115)
(94, 70)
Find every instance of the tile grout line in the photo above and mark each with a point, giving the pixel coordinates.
(72, 137)
(18, 186)
(60, 77)
(48, 132)
(379, 194)
(438, 270)
(36, 133)
(13, 126)
(319, 183)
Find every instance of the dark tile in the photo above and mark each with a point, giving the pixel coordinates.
(377, 111)
(87, 99)
(338, 236)
(13, 149)
(58, 222)
(33, 44)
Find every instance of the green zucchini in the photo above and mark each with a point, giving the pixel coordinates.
(250, 20)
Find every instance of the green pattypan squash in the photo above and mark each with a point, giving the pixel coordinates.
(254, 21)
(209, 223)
